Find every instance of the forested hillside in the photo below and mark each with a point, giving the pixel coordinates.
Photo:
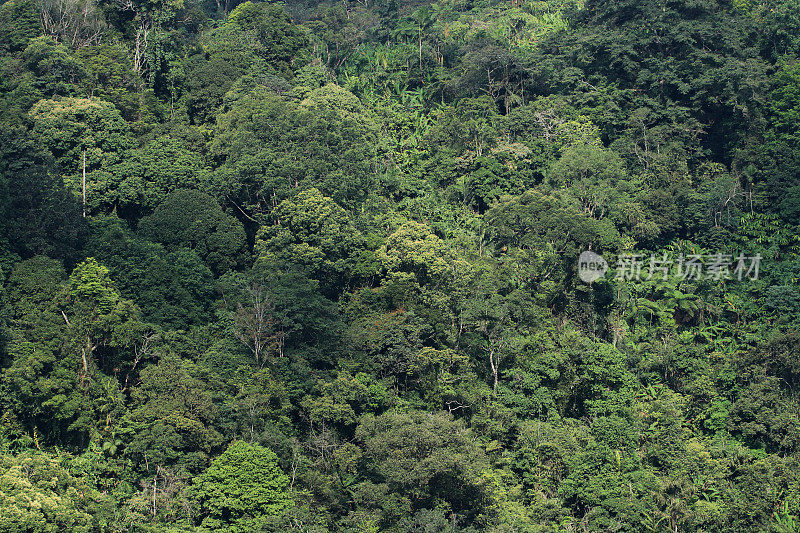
(315, 266)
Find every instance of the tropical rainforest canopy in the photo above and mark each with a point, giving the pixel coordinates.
(314, 266)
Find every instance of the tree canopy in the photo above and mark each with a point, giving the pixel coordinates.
(367, 266)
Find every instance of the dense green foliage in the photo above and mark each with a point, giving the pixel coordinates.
(323, 275)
